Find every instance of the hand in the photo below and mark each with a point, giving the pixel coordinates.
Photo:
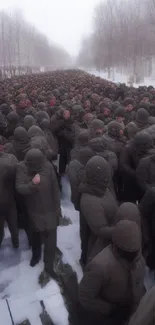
(36, 179)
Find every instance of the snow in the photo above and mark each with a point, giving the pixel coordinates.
(19, 282)
(121, 78)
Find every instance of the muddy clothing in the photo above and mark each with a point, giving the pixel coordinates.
(144, 314)
(8, 211)
(42, 200)
(97, 205)
(20, 143)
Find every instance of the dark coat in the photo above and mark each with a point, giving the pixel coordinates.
(42, 200)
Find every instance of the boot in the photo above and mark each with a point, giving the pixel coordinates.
(34, 261)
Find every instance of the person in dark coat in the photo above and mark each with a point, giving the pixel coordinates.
(80, 142)
(36, 181)
(115, 137)
(96, 129)
(113, 282)
(141, 123)
(145, 173)
(8, 212)
(51, 139)
(129, 161)
(20, 143)
(13, 123)
(98, 206)
(62, 127)
(3, 124)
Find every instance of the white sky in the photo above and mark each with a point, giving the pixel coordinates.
(63, 21)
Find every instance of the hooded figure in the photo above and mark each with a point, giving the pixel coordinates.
(51, 139)
(141, 123)
(129, 211)
(36, 181)
(35, 131)
(145, 173)
(20, 143)
(81, 142)
(113, 282)
(115, 139)
(3, 124)
(41, 115)
(96, 129)
(98, 206)
(13, 123)
(8, 210)
(129, 161)
(29, 121)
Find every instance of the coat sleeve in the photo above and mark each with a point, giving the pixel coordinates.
(125, 163)
(142, 175)
(55, 193)
(95, 217)
(22, 186)
(90, 288)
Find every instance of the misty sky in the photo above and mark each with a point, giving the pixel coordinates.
(63, 21)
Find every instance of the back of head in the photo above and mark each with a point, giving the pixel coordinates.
(20, 134)
(142, 116)
(34, 160)
(35, 131)
(143, 140)
(84, 155)
(13, 118)
(28, 121)
(129, 211)
(96, 128)
(83, 138)
(97, 145)
(127, 236)
(97, 172)
(45, 124)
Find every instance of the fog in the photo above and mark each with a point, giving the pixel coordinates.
(63, 21)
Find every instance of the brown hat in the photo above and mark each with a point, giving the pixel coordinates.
(127, 236)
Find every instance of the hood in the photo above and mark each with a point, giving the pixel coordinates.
(5, 109)
(127, 236)
(20, 135)
(28, 121)
(142, 116)
(129, 211)
(96, 128)
(34, 161)
(35, 131)
(114, 129)
(142, 142)
(41, 116)
(97, 175)
(84, 155)
(45, 124)
(97, 145)
(82, 139)
(40, 143)
(13, 118)
(3, 123)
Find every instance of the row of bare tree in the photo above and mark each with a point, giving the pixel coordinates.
(123, 37)
(22, 47)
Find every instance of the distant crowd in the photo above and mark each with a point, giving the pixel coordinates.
(102, 135)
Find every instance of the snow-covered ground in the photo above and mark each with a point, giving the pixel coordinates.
(19, 282)
(121, 78)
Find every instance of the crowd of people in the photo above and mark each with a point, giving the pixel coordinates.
(102, 135)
